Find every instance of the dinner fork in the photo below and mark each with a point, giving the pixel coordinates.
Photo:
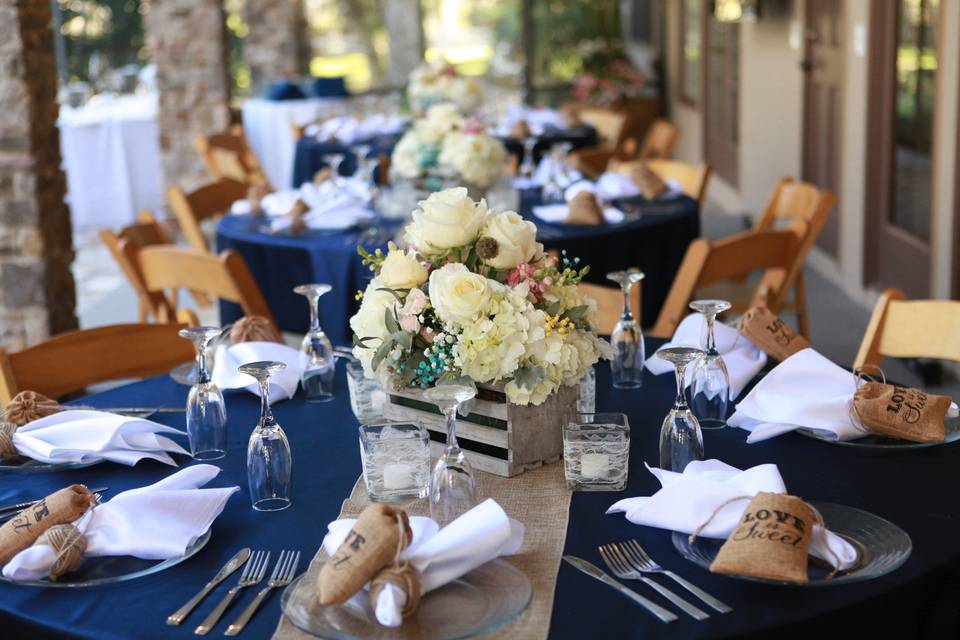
(641, 561)
(283, 574)
(252, 574)
(617, 563)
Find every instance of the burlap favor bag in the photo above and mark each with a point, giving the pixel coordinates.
(771, 541)
(27, 406)
(255, 195)
(254, 329)
(402, 576)
(520, 130)
(62, 507)
(377, 538)
(901, 412)
(772, 335)
(296, 214)
(584, 209)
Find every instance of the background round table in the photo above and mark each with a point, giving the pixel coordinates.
(913, 489)
(311, 155)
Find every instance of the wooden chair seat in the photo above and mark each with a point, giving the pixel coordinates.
(610, 304)
(69, 362)
(209, 202)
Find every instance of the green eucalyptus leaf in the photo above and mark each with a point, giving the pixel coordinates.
(390, 321)
(529, 376)
(382, 353)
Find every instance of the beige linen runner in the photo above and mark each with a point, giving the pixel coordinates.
(540, 500)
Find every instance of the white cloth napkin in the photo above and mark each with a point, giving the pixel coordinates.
(558, 213)
(549, 167)
(283, 384)
(686, 500)
(156, 522)
(539, 120)
(80, 435)
(804, 391)
(332, 207)
(612, 185)
(442, 555)
(742, 358)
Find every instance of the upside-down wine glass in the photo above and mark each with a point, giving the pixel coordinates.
(681, 441)
(206, 410)
(269, 462)
(452, 483)
(528, 165)
(627, 337)
(335, 160)
(709, 379)
(317, 360)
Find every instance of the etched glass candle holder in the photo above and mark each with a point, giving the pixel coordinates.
(596, 451)
(396, 461)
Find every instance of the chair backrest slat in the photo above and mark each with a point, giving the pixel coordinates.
(209, 201)
(693, 178)
(610, 304)
(609, 124)
(660, 139)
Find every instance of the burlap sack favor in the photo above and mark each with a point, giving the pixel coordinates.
(520, 130)
(771, 541)
(377, 537)
(322, 175)
(901, 412)
(69, 544)
(649, 183)
(255, 195)
(296, 213)
(772, 335)
(27, 406)
(584, 209)
(404, 577)
(62, 507)
(254, 329)
(7, 448)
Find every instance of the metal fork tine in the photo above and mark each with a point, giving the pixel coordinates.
(276, 567)
(262, 569)
(293, 568)
(607, 554)
(621, 558)
(645, 558)
(632, 557)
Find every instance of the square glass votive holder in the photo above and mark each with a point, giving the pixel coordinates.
(396, 461)
(366, 395)
(596, 451)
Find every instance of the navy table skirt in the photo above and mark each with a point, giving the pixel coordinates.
(914, 489)
(311, 155)
(577, 137)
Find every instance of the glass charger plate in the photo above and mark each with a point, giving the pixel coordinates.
(951, 428)
(110, 569)
(881, 547)
(485, 599)
(20, 464)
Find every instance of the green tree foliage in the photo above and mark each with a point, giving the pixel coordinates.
(108, 33)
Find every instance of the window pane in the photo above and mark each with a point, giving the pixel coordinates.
(692, 30)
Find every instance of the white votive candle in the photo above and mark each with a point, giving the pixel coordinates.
(397, 476)
(594, 465)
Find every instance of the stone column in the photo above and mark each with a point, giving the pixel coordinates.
(275, 45)
(404, 22)
(37, 295)
(187, 40)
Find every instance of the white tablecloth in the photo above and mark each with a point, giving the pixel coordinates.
(266, 124)
(111, 155)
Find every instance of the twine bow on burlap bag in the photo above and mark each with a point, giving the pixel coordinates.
(254, 329)
(771, 540)
(400, 574)
(375, 541)
(68, 543)
(894, 411)
(771, 334)
(24, 408)
(62, 507)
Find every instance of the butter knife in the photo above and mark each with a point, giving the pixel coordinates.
(595, 572)
(232, 565)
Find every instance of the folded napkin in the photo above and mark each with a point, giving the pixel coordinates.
(549, 167)
(332, 205)
(687, 500)
(77, 435)
(156, 522)
(742, 358)
(612, 185)
(283, 384)
(804, 391)
(539, 120)
(557, 213)
(442, 555)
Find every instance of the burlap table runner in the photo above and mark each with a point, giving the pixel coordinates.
(540, 500)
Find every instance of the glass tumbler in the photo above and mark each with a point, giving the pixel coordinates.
(596, 451)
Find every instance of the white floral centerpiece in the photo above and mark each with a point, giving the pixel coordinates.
(446, 146)
(433, 83)
(475, 295)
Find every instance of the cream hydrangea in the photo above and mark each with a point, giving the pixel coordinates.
(516, 239)
(441, 121)
(446, 219)
(477, 157)
(490, 348)
(405, 161)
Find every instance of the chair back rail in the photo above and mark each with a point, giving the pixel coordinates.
(693, 178)
(209, 201)
(659, 141)
(610, 304)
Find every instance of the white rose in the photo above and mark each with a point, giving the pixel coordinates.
(368, 322)
(402, 270)
(405, 160)
(458, 295)
(516, 239)
(445, 220)
(441, 120)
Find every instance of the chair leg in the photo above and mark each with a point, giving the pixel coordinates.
(800, 302)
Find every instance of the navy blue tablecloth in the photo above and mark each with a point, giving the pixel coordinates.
(914, 489)
(578, 137)
(654, 237)
(311, 155)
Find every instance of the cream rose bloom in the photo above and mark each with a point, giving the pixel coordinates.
(404, 161)
(458, 295)
(516, 239)
(402, 270)
(368, 322)
(445, 220)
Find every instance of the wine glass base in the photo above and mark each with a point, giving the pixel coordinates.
(627, 384)
(323, 397)
(210, 454)
(271, 504)
(706, 424)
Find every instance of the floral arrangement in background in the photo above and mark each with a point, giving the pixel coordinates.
(608, 83)
(474, 295)
(445, 145)
(436, 82)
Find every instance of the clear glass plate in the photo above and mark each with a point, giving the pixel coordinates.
(485, 599)
(21, 464)
(881, 547)
(186, 373)
(951, 428)
(110, 569)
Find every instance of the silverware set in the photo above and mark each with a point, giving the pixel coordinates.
(254, 569)
(13, 510)
(629, 561)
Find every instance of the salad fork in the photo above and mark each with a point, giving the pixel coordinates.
(640, 560)
(617, 563)
(252, 574)
(283, 574)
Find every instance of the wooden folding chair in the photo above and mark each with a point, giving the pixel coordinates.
(72, 361)
(692, 178)
(910, 329)
(227, 155)
(659, 140)
(610, 126)
(167, 269)
(790, 200)
(707, 262)
(209, 201)
(610, 304)
(146, 232)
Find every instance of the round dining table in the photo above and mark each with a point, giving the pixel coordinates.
(911, 488)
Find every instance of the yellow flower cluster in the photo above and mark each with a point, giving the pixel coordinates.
(561, 325)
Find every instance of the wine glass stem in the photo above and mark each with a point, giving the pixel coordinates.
(314, 314)
(681, 402)
(202, 374)
(266, 414)
(711, 344)
(451, 416)
(627, 313)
